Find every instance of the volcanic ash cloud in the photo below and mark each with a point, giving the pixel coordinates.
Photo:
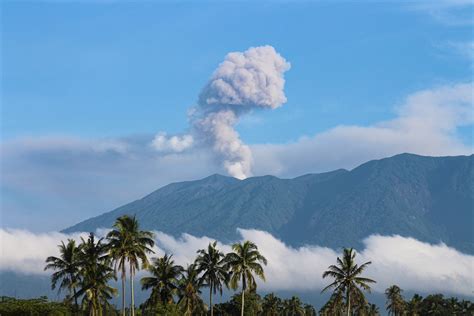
(243, 82)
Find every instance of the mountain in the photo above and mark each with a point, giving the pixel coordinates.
(428, 198)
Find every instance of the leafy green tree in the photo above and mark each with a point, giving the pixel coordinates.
(190, 303)
(271, 305)
(32, 307)
(334, 306)
(164, 282)
(243, 262)
(211, 264)
(95, 274)
(66, 268)
(293, 307)
(129, 244)
(347, 279)
(396, 305)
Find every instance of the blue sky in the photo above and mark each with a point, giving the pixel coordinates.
(81, 76)
(113, 69)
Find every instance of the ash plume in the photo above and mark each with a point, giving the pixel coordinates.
(243, 82)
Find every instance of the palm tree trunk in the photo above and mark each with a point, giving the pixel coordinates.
(123, 290)
(243, 298)
(243, 294)
(210, 299)
(132, 305)
(76, 307)
(348, 299)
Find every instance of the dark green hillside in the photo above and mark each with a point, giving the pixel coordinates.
(429, 198)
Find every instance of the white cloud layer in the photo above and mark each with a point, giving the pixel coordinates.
(409, 263)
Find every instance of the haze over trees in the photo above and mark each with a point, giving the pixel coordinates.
(85, 272)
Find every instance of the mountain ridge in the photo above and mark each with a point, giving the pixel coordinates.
(428, 198)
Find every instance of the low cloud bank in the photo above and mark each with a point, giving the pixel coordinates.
(411, 264)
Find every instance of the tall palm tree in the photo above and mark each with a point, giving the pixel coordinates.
(293, 307)
(164, 281)
(129, 244)
(395, 303)
(95, 274)
(190, 303)
(243, 262)
(67, 268)
(347, 279)
(271, 305)
(211, 264)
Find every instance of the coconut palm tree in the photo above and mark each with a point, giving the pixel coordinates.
(347, 279)
(414, 305)
(164, 281)
(373, 310)
(95, 274)
(129, 244)
(309, 310)
(190, 303)
(243, 262)
(395, 303)
(211, 264)
(334, 306)
(293, 307)
(66, 267)
(271, 305)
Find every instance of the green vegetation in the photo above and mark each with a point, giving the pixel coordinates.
(86, 270)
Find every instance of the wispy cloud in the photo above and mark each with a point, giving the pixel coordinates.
(448, 12)
(395, 260)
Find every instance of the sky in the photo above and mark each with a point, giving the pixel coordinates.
(99, 98)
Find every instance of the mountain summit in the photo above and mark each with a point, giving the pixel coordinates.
(428, 198)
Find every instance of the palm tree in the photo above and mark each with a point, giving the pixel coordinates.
(414, 305)
(334, 306)
(190, 303)
(271, 305)
(395, 302)
(309, 310)
(129, 244)
(67, 268)
(373, 310)
(212, 264)
(243, 262)
(293, 307)
(347, 279)
(164, 281)
(95, 274)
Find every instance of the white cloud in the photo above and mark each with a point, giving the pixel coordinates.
(175, 143)
(409, 263)
(448, 12)
(426, 124)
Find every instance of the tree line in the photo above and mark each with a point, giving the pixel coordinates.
(85, 271)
